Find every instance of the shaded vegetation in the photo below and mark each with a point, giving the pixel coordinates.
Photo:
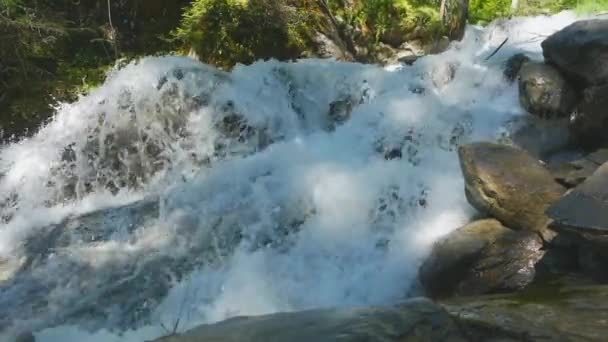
(54, 50)
(226, 32)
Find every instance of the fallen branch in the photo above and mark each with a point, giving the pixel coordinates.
(497, 49)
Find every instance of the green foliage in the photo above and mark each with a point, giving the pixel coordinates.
(590, 6)
(483, 11)
(488, 10)
(383, 20)
(226, 32)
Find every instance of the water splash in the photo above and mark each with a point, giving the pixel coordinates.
(179, 192)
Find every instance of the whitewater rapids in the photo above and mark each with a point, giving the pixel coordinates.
(276, 187)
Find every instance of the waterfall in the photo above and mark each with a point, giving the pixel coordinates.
(177, 194)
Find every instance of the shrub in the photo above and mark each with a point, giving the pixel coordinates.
(226, 32)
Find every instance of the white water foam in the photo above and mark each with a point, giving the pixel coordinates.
(328, 209)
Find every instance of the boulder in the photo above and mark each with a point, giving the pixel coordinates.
(415, 320)
(482, 257)
(544, 92)
(581, 218)
(508, 184)
(514, 65)
(585, 208)
(590, 125)
(572, 173)
(8, 269)
(547, 313)
(580, 51)
(443, 73)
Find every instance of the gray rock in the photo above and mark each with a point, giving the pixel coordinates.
(580, 51)
(416, 320)
(539, 137)
(544, 92)
(482, 257)
(581, 219)
(550, 313)
(514, 65)
(26, 337)
(508, 184)
(572, 173)
(443, 73)
(590, 123)
(547, 313)
(585, 208)
(8, 269)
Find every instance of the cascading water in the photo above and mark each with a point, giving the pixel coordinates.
(177, 194)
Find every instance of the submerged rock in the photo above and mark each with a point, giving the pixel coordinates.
(443, 74)
(544, 92)
(508, 184)
(482, 257)
(590, 125)
(580, 51)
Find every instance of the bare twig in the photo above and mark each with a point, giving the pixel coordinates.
(112, 30)
(497, 49)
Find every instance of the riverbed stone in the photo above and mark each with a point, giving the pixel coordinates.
(544, 92)
(580, 51)
(508, 184)
(481, 257)
(590, 123)
(585, 208)
(574, 172)
(581, 219)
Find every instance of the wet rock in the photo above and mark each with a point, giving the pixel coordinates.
(508, 184)
(340, 111)
(547, 313)
(550, 313)
(8, 269)
(544, 92)
(415, 320)
(581, 217)
(514, 65)
(26, 337)
(590, 123)
(539, 137)
(586, 207)
(572, 173)
(580, 51)
(479, 258)
(443, 73)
